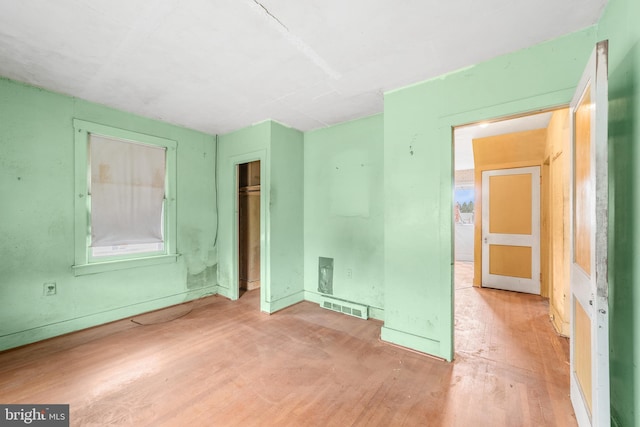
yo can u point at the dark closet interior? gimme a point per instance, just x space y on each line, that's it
249 225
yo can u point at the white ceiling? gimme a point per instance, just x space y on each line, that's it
464 135
220 65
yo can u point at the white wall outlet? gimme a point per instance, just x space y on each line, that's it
50 288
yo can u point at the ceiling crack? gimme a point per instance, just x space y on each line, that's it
270 14
296 41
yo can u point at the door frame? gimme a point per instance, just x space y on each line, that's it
511 110
237 214
234 276
511 283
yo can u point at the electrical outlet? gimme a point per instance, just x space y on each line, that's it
349 273
49 289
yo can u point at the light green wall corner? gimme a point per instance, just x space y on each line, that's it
287 216
242 146
619 25
280 150
418 186
37 221
343 210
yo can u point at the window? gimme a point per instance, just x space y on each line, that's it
125 198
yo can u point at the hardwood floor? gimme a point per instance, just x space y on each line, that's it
216 362
522 377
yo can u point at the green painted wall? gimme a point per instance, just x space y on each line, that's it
37 221
418 186
619 25
242 146
377 198
343 210
280 150
287 216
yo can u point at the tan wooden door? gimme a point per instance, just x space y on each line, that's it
589 283
511 229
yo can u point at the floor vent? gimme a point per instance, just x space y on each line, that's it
346 307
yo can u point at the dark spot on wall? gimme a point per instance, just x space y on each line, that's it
207 277
57 228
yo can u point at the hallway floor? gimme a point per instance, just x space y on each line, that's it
525 364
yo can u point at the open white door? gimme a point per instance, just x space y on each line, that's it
589 282
511 229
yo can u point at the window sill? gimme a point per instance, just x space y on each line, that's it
100 267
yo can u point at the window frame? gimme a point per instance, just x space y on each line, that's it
85 263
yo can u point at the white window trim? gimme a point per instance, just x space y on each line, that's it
84 262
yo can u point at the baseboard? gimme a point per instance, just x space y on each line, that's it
224 291
312 297
376 313
559 324
43 332
414 342
277 305
249 285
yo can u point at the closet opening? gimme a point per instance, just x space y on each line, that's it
248 227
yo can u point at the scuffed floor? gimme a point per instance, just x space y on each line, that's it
216 362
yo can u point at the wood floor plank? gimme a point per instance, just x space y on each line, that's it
215 362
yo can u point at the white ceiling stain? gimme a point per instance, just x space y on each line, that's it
220 65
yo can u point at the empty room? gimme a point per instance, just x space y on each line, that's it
362 213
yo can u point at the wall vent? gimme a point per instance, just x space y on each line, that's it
346 307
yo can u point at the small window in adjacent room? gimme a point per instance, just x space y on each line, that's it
125 205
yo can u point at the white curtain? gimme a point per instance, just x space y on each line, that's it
127 192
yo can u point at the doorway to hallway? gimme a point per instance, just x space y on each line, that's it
538 140
511 330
